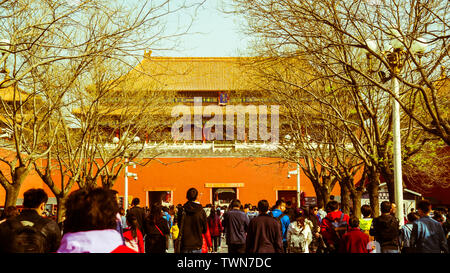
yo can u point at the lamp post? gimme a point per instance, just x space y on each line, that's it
396 58
127 174
295 172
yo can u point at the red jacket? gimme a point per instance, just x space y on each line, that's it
215 226
123 249
354 241
206 241
326 227
127 235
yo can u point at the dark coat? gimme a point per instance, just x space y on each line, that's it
235 224
194 226
264 235
139 213
155 240
386 230
50 230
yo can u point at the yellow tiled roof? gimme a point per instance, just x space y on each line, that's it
192 73
7 94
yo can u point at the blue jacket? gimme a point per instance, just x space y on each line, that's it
284 221
428 236
168 218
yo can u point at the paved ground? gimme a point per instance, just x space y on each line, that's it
223 248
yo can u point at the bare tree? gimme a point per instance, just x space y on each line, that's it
62 39
346 46
331 32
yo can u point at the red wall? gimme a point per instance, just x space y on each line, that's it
261 178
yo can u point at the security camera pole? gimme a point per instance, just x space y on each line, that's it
126 182
297 172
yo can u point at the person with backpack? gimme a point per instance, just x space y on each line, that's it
405 233
282 218
264 232
235 223
29 232
90 224
132 234
333 226
386 229
156 230
193 225
298 235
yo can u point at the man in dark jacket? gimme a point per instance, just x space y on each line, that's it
264 232
386 229
235 223
29 232
139 213
192 224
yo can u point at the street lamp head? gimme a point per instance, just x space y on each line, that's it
418 47
136 139
287 137
372 45
115 140
396 44
395 35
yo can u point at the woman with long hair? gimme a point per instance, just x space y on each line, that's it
299 235
215 228
157 230
132 235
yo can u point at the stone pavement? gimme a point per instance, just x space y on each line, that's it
223 246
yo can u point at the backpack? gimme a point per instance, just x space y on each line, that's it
27 236
339 227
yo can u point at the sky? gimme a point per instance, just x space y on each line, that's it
213 33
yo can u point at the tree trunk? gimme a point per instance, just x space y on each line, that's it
11 195
356 199
323 197
388 176
345 197
61 208
13 189
372 189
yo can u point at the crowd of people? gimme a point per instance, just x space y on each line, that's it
94 223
